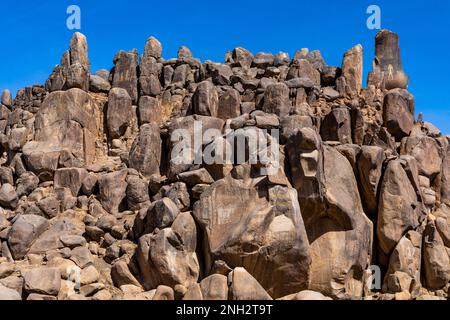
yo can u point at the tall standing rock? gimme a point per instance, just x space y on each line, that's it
436 261
74 69
119 113
352 70
205 100
389 61
276 99
336 126
145 153
6 98
339 232
168 256
370 165
399 208
427 153
149 68
125 73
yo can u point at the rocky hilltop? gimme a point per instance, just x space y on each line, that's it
95 203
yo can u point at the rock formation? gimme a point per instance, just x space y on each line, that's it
115 184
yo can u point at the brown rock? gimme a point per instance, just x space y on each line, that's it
352 70
251 222
215 287
398 207
398 113
336 126
370 165
276 99
42 281
145 153
229 105
205 100
125 73
245 287
436 262
25 230
333 215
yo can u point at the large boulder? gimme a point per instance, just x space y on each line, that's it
398 113
398 207
370 166
404 265
25 230
168 256
71 178
276 99
149 68
112 190
66 127
352 70
245 287
7 294
263 234
229 105
336 126
125 73
43 281
145 153
427 153
339 232
183 146
436 261
120 112
205 101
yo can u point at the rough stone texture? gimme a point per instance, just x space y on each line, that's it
125 73
145 153
120 112
243 228
25 230
144 181
352 70
398 208
398 113
338 230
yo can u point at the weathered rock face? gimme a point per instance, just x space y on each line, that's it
125 73
145 153
370 167
276 99
74 70
263 177
436 259
168 256
336 126
398 113
66 130
120 112
398 208
389 61
338 230
265 235
205 100
352 70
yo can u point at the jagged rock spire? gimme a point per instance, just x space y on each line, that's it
388 59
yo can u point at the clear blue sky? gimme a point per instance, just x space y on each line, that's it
35 35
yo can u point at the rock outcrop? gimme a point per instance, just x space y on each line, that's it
263 177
